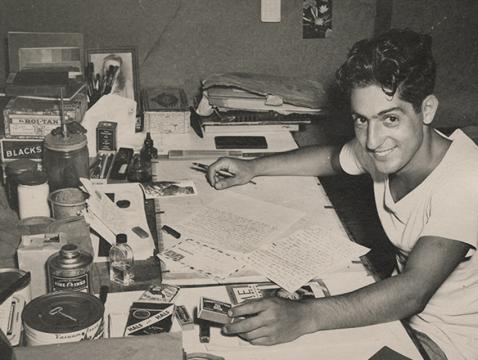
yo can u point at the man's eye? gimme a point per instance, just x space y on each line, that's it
391 120
359 121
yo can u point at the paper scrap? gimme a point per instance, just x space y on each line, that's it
203 258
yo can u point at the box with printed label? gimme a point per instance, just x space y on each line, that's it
34 119
13 149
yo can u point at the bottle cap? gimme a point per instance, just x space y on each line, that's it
121 239
32 178
19 166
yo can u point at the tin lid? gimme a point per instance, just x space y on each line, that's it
31 178
63 312
60 143
8 276
19 166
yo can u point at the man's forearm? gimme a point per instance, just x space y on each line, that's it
388 300
306 161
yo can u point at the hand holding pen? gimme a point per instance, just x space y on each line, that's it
220 178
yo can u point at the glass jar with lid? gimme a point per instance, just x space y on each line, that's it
65 160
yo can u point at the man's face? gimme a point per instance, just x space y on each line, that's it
389 130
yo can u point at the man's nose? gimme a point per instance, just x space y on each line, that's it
374 135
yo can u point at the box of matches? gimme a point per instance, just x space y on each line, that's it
213 310
149 318
184 319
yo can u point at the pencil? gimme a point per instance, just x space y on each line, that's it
222 173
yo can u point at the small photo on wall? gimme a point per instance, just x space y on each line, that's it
316 19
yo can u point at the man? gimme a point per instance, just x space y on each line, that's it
426 193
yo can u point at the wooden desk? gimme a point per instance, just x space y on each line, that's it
301 193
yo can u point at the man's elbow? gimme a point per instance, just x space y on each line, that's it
418 300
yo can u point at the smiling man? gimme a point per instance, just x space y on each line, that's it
426 194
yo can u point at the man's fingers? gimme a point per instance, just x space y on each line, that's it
242 326
248 308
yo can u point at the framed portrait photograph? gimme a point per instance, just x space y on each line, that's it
114 71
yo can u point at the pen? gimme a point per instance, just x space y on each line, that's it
222 173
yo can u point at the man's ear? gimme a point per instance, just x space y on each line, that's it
429 108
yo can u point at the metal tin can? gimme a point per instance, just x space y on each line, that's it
69 269
11 308
63 317
13 170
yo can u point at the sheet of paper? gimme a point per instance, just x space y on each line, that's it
292 261
238 223
203 258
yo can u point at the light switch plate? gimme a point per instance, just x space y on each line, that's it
270 10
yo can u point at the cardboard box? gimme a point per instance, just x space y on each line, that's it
166 110
34 119
14 149
32 254
167 346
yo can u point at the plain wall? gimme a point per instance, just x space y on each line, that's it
180 42
454 28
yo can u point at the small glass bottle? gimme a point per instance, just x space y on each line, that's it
148 151
121 261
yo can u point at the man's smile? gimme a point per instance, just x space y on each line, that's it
382 153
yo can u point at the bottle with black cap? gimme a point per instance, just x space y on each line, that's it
121 261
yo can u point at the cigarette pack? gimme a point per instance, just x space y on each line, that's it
149 318
213 310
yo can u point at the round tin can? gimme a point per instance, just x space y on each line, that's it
69 269
13 305
63 317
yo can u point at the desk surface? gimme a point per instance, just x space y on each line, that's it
357 343
302 193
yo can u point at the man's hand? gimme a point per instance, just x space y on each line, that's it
242 172
269 321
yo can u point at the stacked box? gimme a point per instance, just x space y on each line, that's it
26 118
166 110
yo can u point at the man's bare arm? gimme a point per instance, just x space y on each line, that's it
399 297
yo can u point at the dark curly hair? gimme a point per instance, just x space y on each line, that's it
398 61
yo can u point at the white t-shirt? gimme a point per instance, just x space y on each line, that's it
445 204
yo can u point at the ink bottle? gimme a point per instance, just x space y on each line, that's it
121 261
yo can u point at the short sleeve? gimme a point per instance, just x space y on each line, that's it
453 212
349 161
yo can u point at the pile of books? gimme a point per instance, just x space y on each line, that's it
245 103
